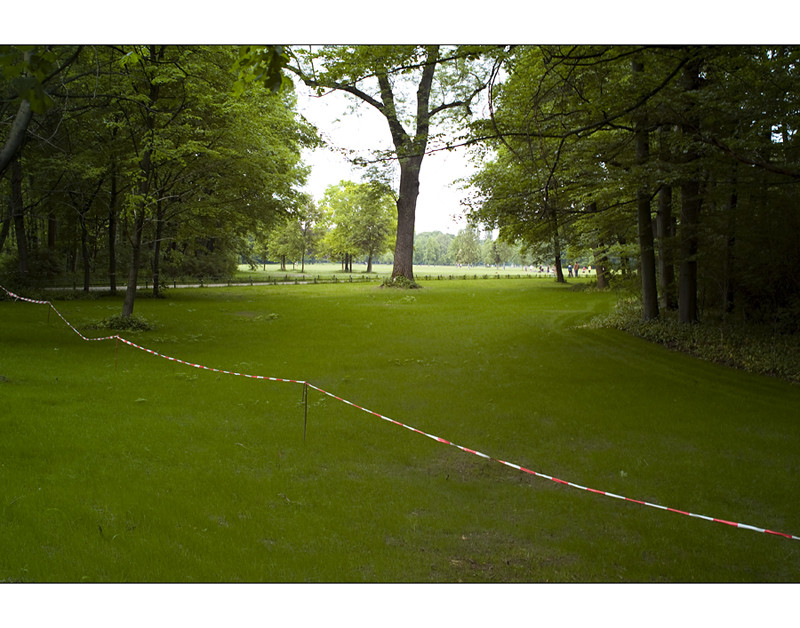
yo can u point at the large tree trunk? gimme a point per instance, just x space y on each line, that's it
18 212
406 215
16 135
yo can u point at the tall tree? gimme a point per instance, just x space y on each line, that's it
647 256
362 220
444 79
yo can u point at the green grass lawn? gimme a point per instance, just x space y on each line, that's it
155 471
326 270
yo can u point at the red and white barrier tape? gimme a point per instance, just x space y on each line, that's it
206 368
413 429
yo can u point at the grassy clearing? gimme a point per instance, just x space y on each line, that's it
161 472
324 271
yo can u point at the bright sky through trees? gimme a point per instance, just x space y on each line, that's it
364 130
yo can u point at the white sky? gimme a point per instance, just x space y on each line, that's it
366 129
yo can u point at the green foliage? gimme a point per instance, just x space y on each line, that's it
362 218
465 248
432 247
403 283
148 141
757 349
262 65
25 67
560 169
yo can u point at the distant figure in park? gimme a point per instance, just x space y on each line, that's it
569 270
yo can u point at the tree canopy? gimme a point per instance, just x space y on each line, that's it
681 159
146 155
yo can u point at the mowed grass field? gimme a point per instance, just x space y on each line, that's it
117 465
326 270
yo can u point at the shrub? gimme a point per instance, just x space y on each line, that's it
754 348
123 323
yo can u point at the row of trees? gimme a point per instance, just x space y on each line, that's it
683 161
132 155
353 220
466 248
678 161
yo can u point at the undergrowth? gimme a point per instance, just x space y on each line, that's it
753 348
401 282
123 323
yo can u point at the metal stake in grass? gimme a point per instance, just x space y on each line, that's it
305 411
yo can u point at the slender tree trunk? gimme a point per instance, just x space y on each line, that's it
136 241
687 286
600 261
729 278
369 262
85 252
557 249
157 250
51 230
112 229
690 212
647 256
19 217
665 230
624 262
136 254
6 225
145 166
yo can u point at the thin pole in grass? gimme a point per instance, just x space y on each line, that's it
305 410
116 351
